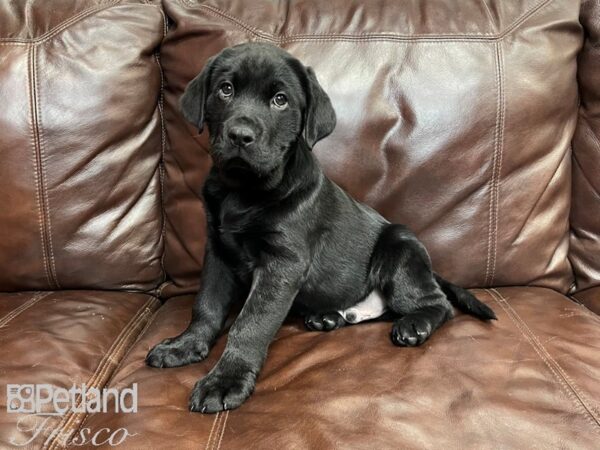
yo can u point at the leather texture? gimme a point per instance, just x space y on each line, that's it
63 339
527 380
585 212
444 109
476 123
590 298
81 145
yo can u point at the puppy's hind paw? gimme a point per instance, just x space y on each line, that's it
411 330
324 322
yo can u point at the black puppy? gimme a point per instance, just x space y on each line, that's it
281 233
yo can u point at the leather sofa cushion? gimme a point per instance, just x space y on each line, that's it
528 379
590 298
63 339
584 252
454 118
81 145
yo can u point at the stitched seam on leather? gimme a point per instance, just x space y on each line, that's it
492 182
59 433
62 433
161 165
62 438
126 354
578 392
145 312
61 26
359 39
25 306
365 36
161 176
223 429
518 22
42 177
500 56
119 365
571 394
35 143
567 385
211 430
217 430
212 444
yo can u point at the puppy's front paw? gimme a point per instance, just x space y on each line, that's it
178 351
221 390
411 330
324 322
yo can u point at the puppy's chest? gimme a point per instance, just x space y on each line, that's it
242 232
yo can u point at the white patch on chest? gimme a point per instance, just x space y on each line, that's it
371 307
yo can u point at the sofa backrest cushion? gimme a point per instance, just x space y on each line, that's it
585 212
80 145
455 118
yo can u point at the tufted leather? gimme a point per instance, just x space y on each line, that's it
474 122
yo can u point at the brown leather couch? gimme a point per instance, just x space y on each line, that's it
485 111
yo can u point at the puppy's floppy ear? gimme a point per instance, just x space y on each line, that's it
319 120
193 100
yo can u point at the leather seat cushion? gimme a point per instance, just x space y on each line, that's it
590 298
63 339
531 377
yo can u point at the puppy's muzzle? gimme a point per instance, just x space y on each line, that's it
241 135
242 132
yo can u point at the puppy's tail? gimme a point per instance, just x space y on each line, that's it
465 301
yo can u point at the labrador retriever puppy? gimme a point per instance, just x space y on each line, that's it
281 233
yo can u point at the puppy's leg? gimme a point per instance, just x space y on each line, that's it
218 290
401 269
233 378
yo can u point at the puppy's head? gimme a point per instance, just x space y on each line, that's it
257 101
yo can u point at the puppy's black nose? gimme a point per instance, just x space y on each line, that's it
241 135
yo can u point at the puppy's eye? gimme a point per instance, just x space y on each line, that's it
226 89
280 100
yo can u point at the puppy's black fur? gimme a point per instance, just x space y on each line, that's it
281 233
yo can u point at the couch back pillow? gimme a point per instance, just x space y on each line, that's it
454 118
585 213
80 145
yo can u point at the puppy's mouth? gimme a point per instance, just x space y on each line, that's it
237 164
238 167
236 172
